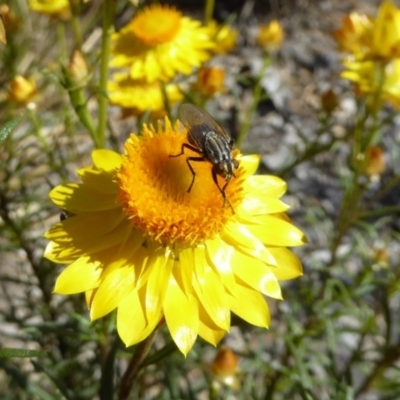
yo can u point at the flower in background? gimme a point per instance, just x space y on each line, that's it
22 90
375 163
56 8
139 243
270 36
368 38
160 42
225 369
375 78
210 81
355 34
9 20
386 32
78 68
139 96
223 36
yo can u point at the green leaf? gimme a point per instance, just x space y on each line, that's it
8 127
21 353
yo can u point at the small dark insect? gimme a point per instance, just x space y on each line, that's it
65 214
208 139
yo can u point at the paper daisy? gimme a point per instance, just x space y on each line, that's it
137 242
57 8
160 42
139 96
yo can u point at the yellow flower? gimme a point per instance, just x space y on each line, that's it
22 90
138 96
210 81
375 163
270 36
9 22
355 34
370 38
386 32
138 242
371 77
57 8
224 37
159 43
225 369
78 68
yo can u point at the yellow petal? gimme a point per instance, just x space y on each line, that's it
251 306
93 224
277 232
264 186
75 198
52 253
207 328
116 286
251 207
183 325
210 291
82 275
132 325
289 265
98 180
238 236
220 254
106 160
157 282
256 274
185 270
250 164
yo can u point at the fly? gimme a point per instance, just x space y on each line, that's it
207 139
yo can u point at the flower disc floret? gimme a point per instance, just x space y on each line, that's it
153 189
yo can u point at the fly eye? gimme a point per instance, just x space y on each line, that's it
231 142
221 169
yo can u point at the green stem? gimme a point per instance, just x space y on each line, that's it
76 27
208 11
257 92
62 44
134 366
108 18
42 140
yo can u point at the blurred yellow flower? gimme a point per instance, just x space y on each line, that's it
225 369
355 34
57 8
386 31
270 36
9 21
140 243
375 78
210 81
375 161
22 90
370 38
159 43
223 36
139 96
78 68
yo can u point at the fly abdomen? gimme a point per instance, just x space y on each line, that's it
216 150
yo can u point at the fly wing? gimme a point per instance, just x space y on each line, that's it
195 119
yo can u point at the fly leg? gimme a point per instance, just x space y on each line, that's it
195 159
226 200
188 159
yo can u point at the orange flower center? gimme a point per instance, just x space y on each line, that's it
156 25
154 189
